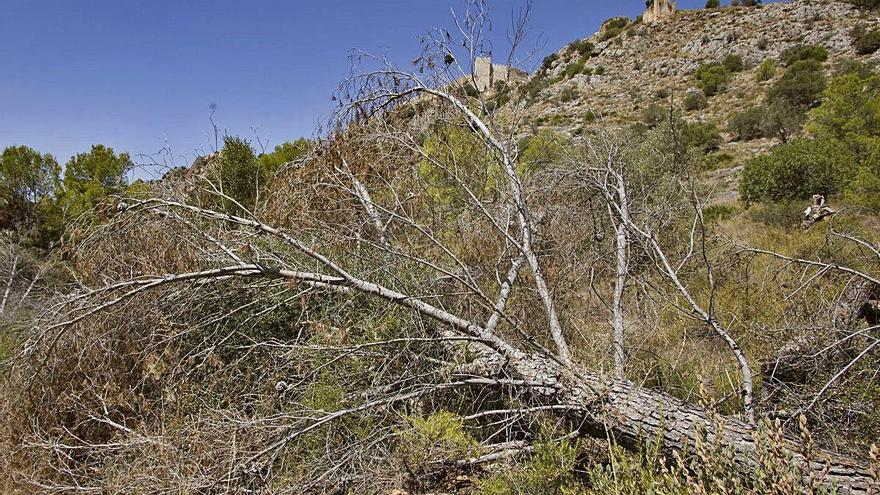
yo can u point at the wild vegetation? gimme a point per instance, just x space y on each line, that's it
435 296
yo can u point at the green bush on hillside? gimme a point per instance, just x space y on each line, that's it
864 4
573 69
801 52
797 170
800 85
695 100
733 62
703 136
748 124
713 4
548 61
582 47
865 42
766 70
712 78
654 114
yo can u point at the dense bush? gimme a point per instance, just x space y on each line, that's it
568 94
797 170
865 42
695 100
733 62
284 153
582 47
573 69
777 119
238 175
783 120
654 114
864 4
28 180
703 136
748 124
713 4
801 84
800 52
766 70
613 27
90 177
843 157
712 78
548 61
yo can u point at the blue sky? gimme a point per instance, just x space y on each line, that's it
139 75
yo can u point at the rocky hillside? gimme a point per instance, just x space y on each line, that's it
616 74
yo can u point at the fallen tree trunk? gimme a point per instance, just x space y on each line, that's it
633 415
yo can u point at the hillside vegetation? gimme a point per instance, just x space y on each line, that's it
653 266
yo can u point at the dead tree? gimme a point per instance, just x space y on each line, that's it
481 313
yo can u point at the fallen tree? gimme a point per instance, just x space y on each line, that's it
429 214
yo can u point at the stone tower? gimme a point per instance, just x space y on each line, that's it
659 10
486 73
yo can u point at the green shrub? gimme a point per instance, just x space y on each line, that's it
548 61
695 100
865 42
582 47
801 52
712 78
90 177
713 4
599 70
568 94
284 153
655 114
797 170
238 175
613 27
433 439
783 120
847 65
733 62
533 87
766 70
616 23
748 124
714 161
549 471
864 4
573 69
850 110
661 94
703 136
801 84
589 117
27 179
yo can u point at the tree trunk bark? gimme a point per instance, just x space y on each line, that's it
633 415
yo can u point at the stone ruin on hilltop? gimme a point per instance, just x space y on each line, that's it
659 10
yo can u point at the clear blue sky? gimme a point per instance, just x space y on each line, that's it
141 74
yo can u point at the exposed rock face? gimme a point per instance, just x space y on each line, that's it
625 74
649 57
659 10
